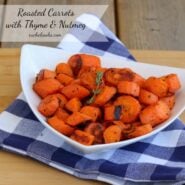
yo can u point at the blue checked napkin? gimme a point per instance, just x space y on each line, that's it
157 160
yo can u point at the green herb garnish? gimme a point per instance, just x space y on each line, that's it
99 77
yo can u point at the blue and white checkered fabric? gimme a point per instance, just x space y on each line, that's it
157 160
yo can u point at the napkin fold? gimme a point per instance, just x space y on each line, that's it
158 160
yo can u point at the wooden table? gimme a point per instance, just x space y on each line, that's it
18 170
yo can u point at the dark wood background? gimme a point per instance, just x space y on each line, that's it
140 24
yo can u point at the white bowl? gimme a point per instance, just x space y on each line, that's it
34 58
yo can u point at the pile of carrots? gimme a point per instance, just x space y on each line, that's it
95 105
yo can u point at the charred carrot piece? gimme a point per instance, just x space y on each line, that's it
77 118
73 105
75 63
75 90
91 111
129 88
44 74
140 131
157 86
90 60
46 87
147 97
64 68
48 105
62 99
130 108
64 79
95 129
60 126
82 137
106 93
62 114
169 100
112 134
155 114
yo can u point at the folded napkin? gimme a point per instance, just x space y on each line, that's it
159 159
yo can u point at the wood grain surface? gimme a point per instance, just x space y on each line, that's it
149 24
19 170
108 18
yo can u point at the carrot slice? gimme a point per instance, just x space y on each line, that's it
140 130
60 126
147 97
95 129
130 108
64 79
62 99
48 105
64 68
73 105
46 87
157 86
130 88
105 95
88 78
93 112
75 90
44 74
170 101
173 82
155 114
75 63
61 114
109 112
90 60
77 118
112 134
82 137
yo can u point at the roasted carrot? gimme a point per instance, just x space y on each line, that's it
130 108
64 68
129 88
82 137
112 134
157 86
169 100
91 111
90 60
48 105
140 130
60 126
147 97
95 129
77 118
46 87
114 75
44 74
106 93
109 113
88 79
120 124
80 60
75 90
155 114
62 114
75 63
73 105
173 82
64 79
62 99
